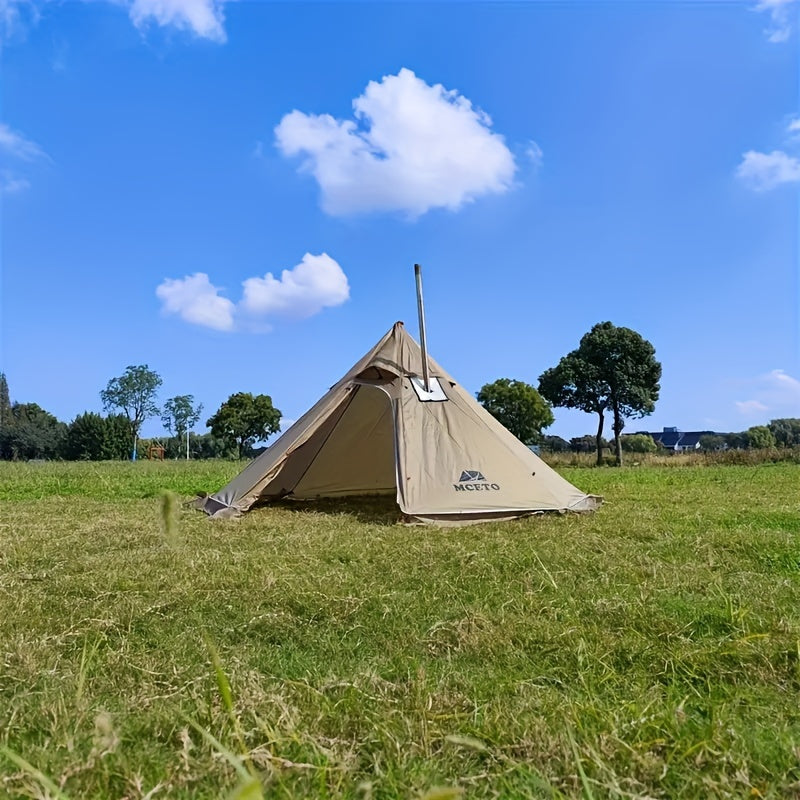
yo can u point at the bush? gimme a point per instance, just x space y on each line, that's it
638 443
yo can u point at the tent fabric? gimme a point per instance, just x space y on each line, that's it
441 454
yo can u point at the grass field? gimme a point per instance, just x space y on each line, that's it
649 650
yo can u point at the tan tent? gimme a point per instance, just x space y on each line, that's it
378 431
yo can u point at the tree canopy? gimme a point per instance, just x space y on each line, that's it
786 431
613 369
30 432
91 437
180 415
518 407
711 442
639 443
244 419
134 392
760 437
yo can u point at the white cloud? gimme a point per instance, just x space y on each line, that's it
204 18
315 283
764 171
750 406
11 183
412 147
777 392
16 145
16 15
793 128
780 17
534 153
195 299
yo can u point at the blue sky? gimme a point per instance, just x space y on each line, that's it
235 194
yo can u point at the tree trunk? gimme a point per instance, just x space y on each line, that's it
618 426
599 439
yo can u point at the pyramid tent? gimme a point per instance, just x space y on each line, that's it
379 431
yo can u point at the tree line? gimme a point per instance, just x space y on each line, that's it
28 432
613 372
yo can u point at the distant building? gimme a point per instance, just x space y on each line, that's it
679 441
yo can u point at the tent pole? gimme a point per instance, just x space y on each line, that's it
421 314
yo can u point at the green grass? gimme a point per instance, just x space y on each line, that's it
649 650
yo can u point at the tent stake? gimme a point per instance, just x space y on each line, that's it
421 313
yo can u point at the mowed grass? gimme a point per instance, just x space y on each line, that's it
649 650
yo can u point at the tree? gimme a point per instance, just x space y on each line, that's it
517 406
587 443
555 444
180 415
31 432
639 443
134 392
244 419
786 431
84 439
91 437
760 437
711 442
735 441
206 446
613 369
5 403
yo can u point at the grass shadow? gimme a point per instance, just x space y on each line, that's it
370 509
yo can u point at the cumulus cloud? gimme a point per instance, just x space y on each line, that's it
780 18
777 392
412 147
204 18
764 171
195 299
317 282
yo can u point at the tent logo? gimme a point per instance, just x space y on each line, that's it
472 480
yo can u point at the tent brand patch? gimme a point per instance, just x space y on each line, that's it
473 481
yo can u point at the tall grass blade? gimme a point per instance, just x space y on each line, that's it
26 766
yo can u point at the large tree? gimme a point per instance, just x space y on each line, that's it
613 369
91 437
786 431
134 392
180 415
244 419
518 407
760 437
30 432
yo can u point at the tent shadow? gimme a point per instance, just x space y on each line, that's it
370 509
